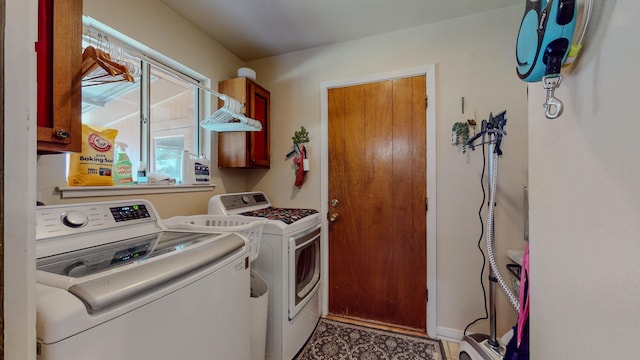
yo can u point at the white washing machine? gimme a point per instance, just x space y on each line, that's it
289 260
113 283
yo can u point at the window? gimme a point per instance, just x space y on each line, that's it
168 152
156 115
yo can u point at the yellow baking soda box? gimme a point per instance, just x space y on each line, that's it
94 164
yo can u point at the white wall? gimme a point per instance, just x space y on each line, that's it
585 203
475 59
157 26
19 176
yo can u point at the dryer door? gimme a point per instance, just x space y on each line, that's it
304 269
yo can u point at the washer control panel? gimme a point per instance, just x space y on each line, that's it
61 220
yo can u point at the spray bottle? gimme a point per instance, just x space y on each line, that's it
122 166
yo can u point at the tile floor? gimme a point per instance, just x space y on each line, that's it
451 349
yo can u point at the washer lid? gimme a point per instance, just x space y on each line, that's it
99 278
88 261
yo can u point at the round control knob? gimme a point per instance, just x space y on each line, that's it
74 219
245 199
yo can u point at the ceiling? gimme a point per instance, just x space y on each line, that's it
254 29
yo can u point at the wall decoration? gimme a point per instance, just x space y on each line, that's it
299 151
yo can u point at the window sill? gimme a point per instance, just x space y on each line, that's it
95 191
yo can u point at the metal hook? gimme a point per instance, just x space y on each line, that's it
553 106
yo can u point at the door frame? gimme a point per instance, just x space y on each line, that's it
430 72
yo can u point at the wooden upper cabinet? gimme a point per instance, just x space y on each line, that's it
249 149
59 61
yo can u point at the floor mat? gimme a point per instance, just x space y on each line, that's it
337 340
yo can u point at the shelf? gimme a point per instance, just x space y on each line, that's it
68 192
515 256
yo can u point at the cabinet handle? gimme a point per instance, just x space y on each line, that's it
62 134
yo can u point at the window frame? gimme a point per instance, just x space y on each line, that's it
151 57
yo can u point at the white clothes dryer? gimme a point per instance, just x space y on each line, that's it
289 260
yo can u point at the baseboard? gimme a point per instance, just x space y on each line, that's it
448 334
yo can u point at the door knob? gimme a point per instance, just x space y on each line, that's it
333 217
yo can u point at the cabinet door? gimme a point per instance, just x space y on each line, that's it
246 149
59 59
259 143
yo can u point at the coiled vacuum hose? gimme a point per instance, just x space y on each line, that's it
492 261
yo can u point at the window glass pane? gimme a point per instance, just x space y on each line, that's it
168 155
115 105
172 119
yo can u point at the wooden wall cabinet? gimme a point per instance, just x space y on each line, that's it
249 150
59 61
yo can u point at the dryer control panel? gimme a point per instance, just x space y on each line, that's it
229 204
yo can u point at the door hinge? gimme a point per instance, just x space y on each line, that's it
426 204
426 101
427 295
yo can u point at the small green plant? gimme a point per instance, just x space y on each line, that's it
460 131
300 137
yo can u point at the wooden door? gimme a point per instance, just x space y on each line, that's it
2 16
377 176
